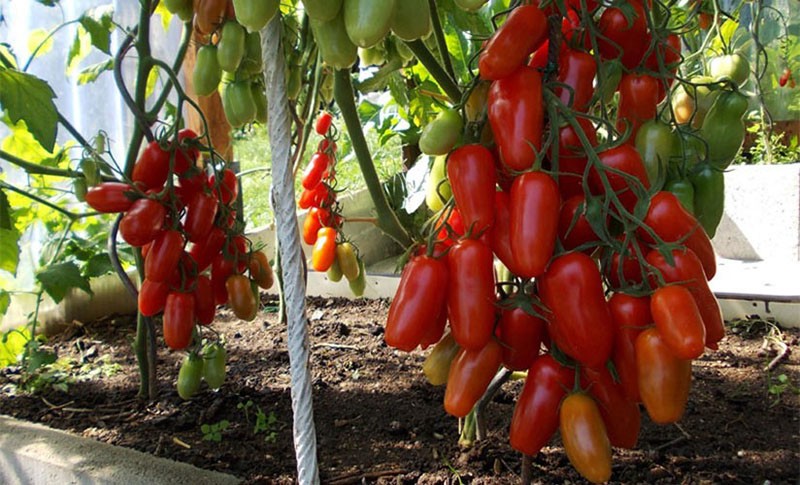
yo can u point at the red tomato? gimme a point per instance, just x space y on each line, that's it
204 307
624 269
520 335
508 49
572 157
573 228
229 187
200 213
667 54
678 321
470 169
164 256
317 166
500 234
221 270
152 297
535 205
573 291
152 167
626 159
470 374
688 271
323 124
622 39
664 380
435 331
178 320
236 250
205 251
470 293
446 236
584 437
324 252
535 418
670 221
516 115
638 98
108 197
186 155
142 223
418 303
577 70
631 316
620 415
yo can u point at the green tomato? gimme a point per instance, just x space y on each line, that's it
334 45
189 376
402 50
252 61
438 190
79 188
412 19
230 48
260 100
709 197
735 67
90 171
358 285
368 21
471 5
440 135
657 144
207 73
238 103
214 357
254 14
704 97
294 82
335 272
373 56
326 88
348 261
684 191
182 8
723 128
322 10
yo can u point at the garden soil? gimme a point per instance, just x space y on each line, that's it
379 421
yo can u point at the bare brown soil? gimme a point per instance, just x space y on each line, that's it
379 421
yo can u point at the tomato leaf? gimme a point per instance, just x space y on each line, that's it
13 344
5 212
91 73
99 23
5 301
26 97
9 250
38 39
97 265
58 279
80 48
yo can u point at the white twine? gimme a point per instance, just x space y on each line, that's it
283 202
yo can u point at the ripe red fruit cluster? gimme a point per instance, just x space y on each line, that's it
183 228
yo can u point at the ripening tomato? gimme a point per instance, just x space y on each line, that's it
178 320
108 197
221 270
437 364
323 124
470 293
516 115
320 196
315 220
208 15
420 298
152 297
535 418
664 379
688 271
631 316
142 223
508 49
678 321
315 169
621 416
204 252
204 307
672 223
470 169
228 188
200 213
520 335
260 270
348 260
164 255
535 206
573 291
324 251
584 437
629 188
241 297
470 374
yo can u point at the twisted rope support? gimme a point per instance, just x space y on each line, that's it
283 202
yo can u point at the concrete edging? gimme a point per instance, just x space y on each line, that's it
34 454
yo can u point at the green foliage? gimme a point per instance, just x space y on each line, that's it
778 386
25 97
13 345
772 149
264 422
58 279
213 432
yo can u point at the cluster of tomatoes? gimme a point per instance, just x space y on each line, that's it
185 223
323 223
603 268
231 60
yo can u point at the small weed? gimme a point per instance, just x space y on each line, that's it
265 423
246 408
778 385
213 432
